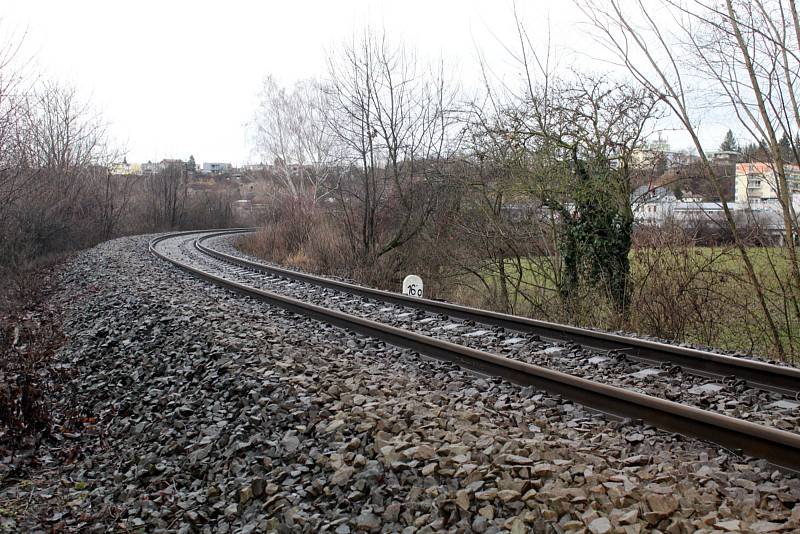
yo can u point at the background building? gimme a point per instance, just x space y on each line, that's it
757 182
216 168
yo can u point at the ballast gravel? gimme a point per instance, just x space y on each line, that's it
209 412
729 396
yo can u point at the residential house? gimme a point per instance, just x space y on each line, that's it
155 168
216 168
125 168
757 182
652 205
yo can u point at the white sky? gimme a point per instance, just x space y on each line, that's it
174 78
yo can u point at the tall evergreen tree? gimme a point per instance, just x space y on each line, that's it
729 144
785 146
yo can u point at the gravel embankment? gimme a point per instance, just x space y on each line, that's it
208 412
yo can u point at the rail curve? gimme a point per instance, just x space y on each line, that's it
775 445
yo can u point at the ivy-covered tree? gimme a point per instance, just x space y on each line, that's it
574 142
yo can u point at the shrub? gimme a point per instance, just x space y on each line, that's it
28 340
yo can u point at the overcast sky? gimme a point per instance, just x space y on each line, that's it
175 78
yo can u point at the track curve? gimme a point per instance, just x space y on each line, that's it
777 446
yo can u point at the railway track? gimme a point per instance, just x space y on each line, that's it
759 374
778 446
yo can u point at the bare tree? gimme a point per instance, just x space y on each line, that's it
59 146
291 131
111 195
566 143
167 191
562 155
14 177
393 122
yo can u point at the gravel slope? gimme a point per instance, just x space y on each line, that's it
207 412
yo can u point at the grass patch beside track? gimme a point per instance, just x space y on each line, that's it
691 294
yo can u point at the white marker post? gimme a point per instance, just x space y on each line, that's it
412 286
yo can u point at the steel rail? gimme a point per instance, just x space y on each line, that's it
776 446
762 375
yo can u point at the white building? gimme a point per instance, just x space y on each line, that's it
152 168
724 157
658 205
216 168
651 205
